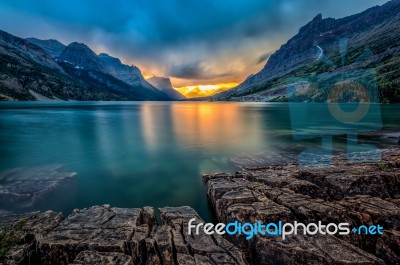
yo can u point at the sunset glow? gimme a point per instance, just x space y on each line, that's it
204 90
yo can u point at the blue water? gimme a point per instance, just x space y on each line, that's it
134 154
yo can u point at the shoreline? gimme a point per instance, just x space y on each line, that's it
358 193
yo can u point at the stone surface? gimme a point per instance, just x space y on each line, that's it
359 194
107 235
27 229
104 258
99 228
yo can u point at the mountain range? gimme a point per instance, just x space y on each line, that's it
47 69
372 41
32 68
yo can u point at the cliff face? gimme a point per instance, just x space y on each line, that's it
164 84
82 57
376 28
128 74
53 47
113 66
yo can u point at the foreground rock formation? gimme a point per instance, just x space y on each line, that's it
360 194
106 235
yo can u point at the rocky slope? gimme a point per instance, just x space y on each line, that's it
107 73
25 67
28 72
53 47
82 57
315 50
128 74
164 84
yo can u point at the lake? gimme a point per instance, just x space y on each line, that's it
135 154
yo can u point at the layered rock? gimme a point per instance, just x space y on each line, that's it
359 194
24 230
107 235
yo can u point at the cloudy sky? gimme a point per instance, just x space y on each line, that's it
209 42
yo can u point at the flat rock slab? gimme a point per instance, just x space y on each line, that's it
360 194
108 235
99 228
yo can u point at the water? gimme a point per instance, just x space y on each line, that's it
134 154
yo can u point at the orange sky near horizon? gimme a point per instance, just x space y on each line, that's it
198 90
204 90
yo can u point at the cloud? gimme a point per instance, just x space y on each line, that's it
263 58
186 34
195 70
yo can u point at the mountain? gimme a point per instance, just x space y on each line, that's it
128 74
107 72
164 84
53 47
15 47
82 57
315 51
28 72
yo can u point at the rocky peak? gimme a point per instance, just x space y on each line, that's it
160 82
16 46
129 74
53 47
81 56
164 84
109 59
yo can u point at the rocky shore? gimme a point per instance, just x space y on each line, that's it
360 194
106 235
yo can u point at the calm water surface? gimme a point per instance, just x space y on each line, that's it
131 154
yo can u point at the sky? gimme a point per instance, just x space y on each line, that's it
202 45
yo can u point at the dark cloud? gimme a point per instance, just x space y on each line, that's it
187 71
195 71
263 58
169 32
